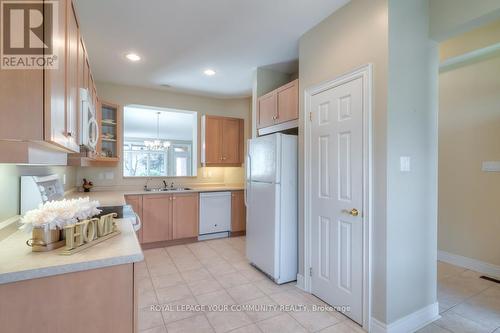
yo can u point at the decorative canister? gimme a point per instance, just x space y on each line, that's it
45 239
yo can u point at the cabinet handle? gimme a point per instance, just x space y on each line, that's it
173 198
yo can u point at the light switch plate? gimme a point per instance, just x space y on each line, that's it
405 164
491 166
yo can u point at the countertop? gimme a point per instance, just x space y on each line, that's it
18 262
117 198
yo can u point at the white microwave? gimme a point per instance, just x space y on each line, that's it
89 131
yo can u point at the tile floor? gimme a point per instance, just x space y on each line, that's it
467 304
216 273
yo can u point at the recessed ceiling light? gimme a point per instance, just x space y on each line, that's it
209 72
133 57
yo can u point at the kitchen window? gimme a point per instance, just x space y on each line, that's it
159 142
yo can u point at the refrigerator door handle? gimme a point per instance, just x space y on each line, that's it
249 178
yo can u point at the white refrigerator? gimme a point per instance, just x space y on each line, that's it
272 204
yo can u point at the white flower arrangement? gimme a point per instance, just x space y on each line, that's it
57 214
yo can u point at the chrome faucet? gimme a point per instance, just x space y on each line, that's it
146 187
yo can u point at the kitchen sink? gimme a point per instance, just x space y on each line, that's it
180 189
168 189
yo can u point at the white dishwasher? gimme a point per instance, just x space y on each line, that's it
215 215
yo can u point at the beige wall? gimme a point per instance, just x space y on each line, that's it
453 17
393 36
469 133
125 95
10 184
411 131
470 41
355 35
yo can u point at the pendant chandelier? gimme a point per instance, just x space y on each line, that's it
157 144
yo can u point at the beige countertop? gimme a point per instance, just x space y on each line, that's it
18 262
117 198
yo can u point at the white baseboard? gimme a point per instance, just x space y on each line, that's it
469 263
300 281
410 323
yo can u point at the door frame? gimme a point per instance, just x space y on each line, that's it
366 73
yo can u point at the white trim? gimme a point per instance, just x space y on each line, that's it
364 72
279 127
469 263
300 281
410 323
377 326
465 58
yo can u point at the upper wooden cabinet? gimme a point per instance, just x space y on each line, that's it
72 84
222 141
43 105
267 109
278 106
109 116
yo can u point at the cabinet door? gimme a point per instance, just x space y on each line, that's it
72 45
213 137
267 109
136 202
288 102
185 215
21 90
238 211
81 66
157 218
55 86
231 139
86 72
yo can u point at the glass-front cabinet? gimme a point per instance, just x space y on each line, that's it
109 119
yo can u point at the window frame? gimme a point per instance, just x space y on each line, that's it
169 154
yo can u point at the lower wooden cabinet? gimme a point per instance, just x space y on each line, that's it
167 216
91 301
238 211
157 218
185 215
136 202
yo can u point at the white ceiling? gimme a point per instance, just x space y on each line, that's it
178 39
141 123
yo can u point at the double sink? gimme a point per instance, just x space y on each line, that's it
165 189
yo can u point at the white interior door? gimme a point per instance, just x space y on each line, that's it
337 196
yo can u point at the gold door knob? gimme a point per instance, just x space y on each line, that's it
353 212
